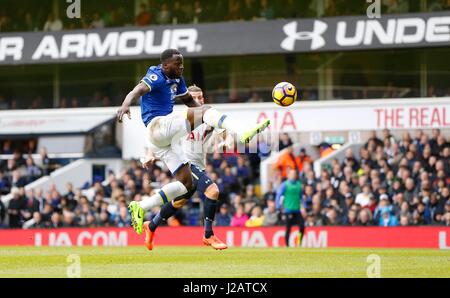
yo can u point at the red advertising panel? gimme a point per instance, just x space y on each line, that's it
391 237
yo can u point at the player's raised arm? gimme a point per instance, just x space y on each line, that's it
188 100
137 92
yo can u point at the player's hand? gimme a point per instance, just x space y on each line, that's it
122 111
148 162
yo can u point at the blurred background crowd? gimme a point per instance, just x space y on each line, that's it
394 182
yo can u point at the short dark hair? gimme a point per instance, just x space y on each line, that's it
169 53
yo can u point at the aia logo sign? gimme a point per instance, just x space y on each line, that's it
293 35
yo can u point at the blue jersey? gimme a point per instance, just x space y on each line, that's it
160 99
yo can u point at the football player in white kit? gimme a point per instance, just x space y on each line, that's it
196 145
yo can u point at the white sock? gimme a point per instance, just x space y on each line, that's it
219 120
167 193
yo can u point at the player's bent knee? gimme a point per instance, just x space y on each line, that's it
184 176
212 192
180 203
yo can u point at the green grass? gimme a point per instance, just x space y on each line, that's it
233 262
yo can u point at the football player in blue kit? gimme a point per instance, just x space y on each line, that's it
196 145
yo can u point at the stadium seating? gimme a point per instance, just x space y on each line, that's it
390 182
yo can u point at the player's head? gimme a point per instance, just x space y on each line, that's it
172 63
197 94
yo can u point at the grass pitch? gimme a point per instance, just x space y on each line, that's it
233 262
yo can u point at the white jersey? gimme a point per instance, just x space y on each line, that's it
198 143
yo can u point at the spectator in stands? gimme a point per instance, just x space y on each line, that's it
234 10
284 142
6 148
14 209
29 23
269 195
242 171
387 219
266 10
363 198
308 197
249 204
6 25
199 14
163 16
255 97
286 161
55 221
19 161
351 219
33 171
230 181
17 180
301 159
69 219
38 223
97 22
256 219
144 16
364 217
74 102
31 204
410 190
239 218
223 218
271 214
3 103
123 219
331 216
53 24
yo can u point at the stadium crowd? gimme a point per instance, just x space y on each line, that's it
115 14
394 182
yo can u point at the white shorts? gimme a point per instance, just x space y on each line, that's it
164 134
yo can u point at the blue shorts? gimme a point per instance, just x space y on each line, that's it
200 179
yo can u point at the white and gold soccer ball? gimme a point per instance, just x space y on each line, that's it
284 94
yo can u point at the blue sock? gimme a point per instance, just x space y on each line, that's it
155 222
209 212
166 211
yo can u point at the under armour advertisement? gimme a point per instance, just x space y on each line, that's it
228 39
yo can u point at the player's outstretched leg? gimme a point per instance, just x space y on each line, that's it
253 131
137 216
168 210
166 194
210 206
149 235
219 120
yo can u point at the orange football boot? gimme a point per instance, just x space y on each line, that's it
214 242
149 235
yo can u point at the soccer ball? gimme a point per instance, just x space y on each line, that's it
284 94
